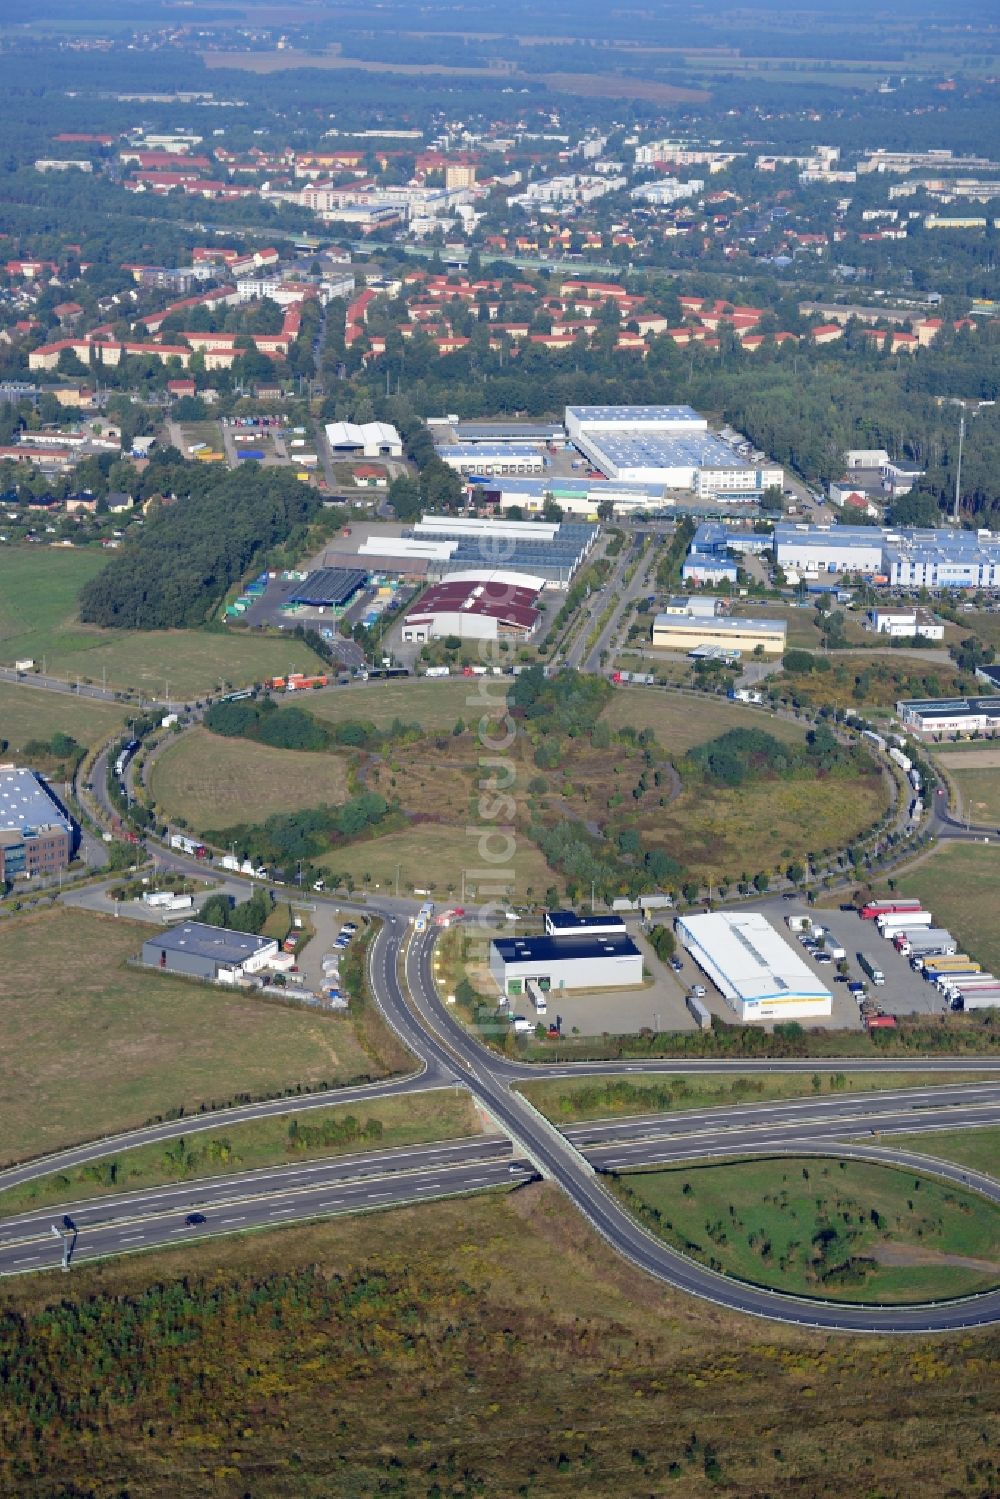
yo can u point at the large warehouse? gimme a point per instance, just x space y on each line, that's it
577 952
490 458
476 605
685 632
668 445
36 835
448 544
911 558
757 972
208 952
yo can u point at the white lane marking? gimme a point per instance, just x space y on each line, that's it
132 1238
233 1220
27 1259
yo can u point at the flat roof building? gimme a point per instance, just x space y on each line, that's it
330 588
950 715
576 953
679 632
913 557
37 836
758 974
491 458
215 953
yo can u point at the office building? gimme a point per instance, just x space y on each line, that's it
37 837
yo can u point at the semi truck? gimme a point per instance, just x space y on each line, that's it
979 999
954 963
932 940
902 921
699 1011
874 972
883 907
187 845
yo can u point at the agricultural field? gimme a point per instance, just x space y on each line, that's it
38 619
384 1124
215 782
576 1100
847 1230
92 1046
33 713
436 704
681 721
250 1363
960 883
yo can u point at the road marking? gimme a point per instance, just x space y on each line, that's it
233 1220
131 1238
26 1259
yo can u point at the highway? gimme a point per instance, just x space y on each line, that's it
400 972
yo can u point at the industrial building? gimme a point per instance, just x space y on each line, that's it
905 558
330 588
686 632
759 975
476 605
950 715
577 952
712 554
369 439
37 837
668 445
445 544
490 458
215 953
906 624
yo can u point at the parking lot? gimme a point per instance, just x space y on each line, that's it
903 993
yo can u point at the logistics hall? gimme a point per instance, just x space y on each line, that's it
759 975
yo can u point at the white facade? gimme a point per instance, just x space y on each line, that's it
760 976
906 623
375 439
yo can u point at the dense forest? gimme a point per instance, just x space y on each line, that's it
197 541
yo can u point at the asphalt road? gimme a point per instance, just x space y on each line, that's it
270 1206
400 973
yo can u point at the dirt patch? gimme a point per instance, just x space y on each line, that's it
984 759
915 1254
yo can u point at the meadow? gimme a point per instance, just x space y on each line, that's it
38 619
960 883
216 782
814 1226
435 704
377 1354
681 721
92 1046
34 713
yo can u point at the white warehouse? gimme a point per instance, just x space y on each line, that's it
760 976
577 952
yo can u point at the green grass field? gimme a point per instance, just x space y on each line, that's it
441 1114
432 857
976 1148
980 792
681 721
436 704
845 1230
91 1046
215 782
33 713
802 631
38 619
960 883
574 1100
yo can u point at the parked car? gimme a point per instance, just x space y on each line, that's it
699 991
